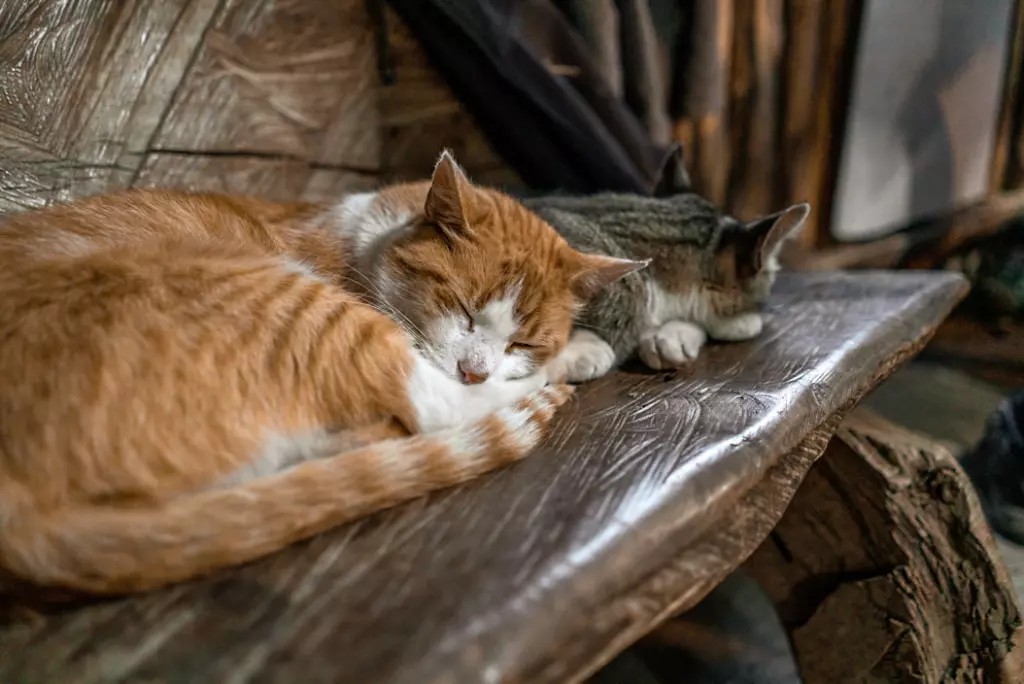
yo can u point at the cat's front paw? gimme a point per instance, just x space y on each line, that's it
673 345
584 358
736 329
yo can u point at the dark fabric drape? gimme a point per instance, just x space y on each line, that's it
542 96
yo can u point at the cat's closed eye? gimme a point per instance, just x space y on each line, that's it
519 346
465 311
714 287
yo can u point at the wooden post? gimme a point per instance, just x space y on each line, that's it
702 130
818 60
754 187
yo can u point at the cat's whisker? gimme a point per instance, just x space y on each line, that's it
379 303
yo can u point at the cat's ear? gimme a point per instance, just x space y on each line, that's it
771 233
674 178
596 272
446 198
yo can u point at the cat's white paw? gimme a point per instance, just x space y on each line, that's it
673 345
736 329
584 358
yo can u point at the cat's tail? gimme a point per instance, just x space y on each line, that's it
107 550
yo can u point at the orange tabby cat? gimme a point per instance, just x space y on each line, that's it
192 381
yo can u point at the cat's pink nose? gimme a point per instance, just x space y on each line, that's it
470 377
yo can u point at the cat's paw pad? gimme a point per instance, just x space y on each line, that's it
738 328
584 358
673 345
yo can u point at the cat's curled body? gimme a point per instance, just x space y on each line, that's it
192 381
709 274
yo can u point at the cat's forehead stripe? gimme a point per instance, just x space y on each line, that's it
499 314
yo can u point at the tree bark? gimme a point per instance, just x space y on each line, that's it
883 568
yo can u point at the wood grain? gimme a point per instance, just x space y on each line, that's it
703 127
419 115
273 178
73 116
885 551
258 96
764 93
754 182
504 579
801 62
818 55
294 78
684 581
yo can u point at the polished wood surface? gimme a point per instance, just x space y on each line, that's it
535 572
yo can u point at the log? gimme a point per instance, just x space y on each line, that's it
883 569
934 239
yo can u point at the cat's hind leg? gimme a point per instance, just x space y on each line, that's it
672 345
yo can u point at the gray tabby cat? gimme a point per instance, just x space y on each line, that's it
708 276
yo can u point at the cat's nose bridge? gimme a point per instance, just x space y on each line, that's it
478 361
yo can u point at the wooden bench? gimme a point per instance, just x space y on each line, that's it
652 488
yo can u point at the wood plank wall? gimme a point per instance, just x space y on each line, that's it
767 87
280 98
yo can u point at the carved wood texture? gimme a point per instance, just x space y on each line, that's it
279 98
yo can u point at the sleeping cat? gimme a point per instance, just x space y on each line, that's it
708 275
192 381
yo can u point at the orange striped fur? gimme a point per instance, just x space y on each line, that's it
192 381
